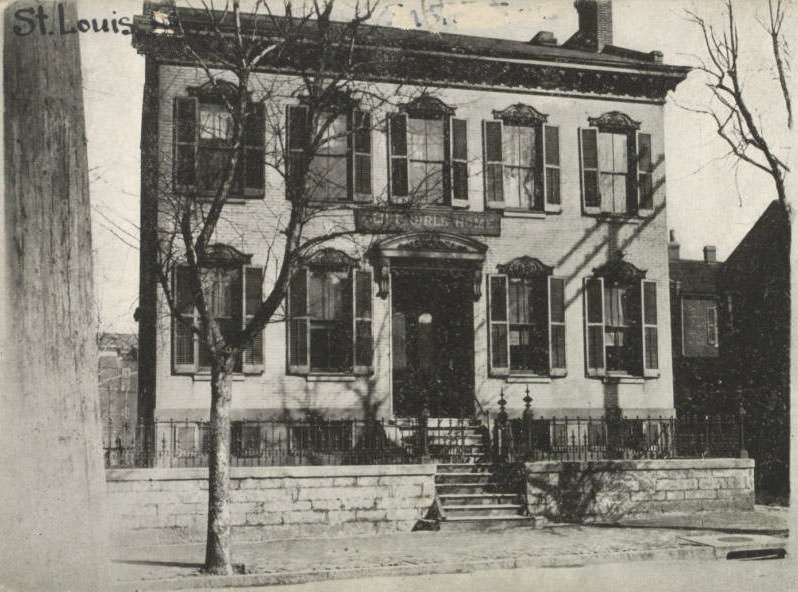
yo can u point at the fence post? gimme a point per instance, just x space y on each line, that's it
741 420
499 433
423 434
526 425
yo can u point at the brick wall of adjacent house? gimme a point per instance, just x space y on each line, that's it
611 490
157 506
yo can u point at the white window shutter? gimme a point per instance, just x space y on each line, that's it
498 322
648 291
595 353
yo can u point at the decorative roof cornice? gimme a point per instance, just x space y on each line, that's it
418 57
525 267
520 114
614 121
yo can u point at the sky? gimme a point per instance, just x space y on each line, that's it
712 200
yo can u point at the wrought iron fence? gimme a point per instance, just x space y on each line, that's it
264 443
575 438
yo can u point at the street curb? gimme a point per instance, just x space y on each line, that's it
272 579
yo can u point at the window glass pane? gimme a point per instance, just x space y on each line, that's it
499 345
520 302
210 166
619 184
498 298
494 183
606 184
512 187
434 133
620 158
527 186
362 132
417 139
215 123
526 146
521 347
510 145
334 140
184 342
605 152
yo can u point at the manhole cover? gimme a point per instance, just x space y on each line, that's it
735 539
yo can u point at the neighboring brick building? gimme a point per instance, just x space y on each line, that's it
695 308
755 344
540 262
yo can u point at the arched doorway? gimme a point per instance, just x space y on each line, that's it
432 280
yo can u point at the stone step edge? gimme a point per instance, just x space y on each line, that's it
484 518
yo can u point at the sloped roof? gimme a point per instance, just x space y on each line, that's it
694 276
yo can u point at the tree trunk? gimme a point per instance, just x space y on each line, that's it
52 484
217 546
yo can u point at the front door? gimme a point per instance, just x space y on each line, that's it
433 342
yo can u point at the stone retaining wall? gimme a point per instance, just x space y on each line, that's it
157 506
611 490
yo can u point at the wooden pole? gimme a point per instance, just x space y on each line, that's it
52 482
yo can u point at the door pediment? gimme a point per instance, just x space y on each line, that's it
431 245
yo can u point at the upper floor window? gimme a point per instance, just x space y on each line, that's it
336 150
233 293
428 153
621 321
699 327
330 316
526 312
521 157
203 143
616 166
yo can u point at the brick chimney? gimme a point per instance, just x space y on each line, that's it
673 247
710 254
595 24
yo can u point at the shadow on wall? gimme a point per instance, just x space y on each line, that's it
580 493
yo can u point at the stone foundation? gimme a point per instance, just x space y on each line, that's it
157 506
612 490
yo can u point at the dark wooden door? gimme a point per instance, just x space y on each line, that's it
433 342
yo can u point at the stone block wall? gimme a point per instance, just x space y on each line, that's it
159 506
612 490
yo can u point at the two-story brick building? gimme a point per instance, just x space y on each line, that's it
508 204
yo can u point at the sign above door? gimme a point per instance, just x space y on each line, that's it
386 221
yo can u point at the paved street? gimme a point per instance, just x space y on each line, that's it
693 576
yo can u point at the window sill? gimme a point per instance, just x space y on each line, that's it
343 205
206 376
330 378
527 379
614 218
233 199
623 379
519 213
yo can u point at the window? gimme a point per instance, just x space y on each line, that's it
330 321
617 168
699 326
339 168
233 295
521 157
428 154
203 143
621 324
527 321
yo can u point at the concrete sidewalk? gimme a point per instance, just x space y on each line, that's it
301 560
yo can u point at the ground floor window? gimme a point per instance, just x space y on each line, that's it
621 323
329 321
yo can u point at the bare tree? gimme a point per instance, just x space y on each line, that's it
738 121
757 134
325 64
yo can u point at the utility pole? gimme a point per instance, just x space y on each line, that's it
52 484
